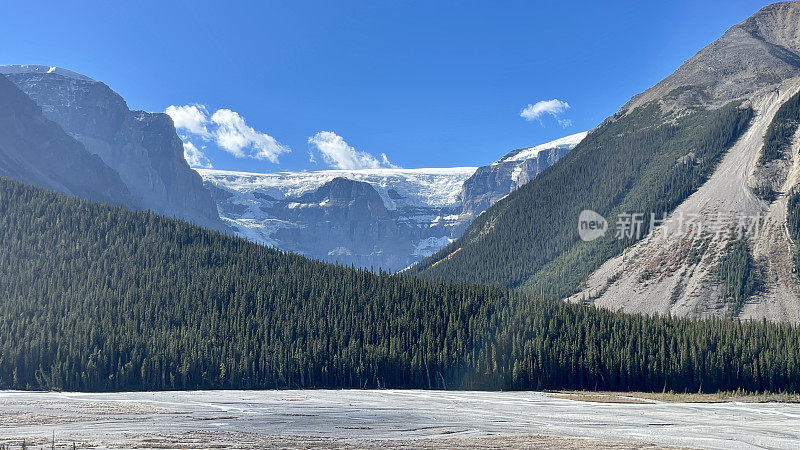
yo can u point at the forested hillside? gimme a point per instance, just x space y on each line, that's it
642 161
793 225
782 129
94 297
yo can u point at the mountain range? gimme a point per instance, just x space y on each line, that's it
695 179
142 148
381 218
694 150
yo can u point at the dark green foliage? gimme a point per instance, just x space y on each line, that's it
642 162
737 274
781 130
698 250
765 192
677 291
94 297
793 223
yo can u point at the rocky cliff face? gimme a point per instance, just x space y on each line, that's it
344 221
380 218
36 150
724 248
143 148
491 183
757 62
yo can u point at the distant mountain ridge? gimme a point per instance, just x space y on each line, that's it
143 148
491 183
380 218
36 150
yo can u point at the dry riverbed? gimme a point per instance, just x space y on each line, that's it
391 418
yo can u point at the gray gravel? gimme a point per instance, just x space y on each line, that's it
249 419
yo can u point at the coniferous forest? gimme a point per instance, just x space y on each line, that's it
781 130
643 161
95 298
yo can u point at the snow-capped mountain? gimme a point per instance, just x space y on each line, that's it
491 183
380 218
387 218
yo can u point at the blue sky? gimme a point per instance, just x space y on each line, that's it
425 83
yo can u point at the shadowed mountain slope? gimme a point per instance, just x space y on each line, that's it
36 150
688 147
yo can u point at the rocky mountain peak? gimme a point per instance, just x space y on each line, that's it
142 147
36 150
752 56
39 69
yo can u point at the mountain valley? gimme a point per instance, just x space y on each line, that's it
379 218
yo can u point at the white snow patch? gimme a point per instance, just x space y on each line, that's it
527 153
39 69
516 173
340 251
435 187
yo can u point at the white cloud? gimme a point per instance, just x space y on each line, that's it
192 118
336 152
195 157
241 140
228 130
553 107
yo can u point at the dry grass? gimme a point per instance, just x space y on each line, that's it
675 397
251 441
598 397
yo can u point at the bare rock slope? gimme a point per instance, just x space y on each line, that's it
36 150
755 55
675 270
142 147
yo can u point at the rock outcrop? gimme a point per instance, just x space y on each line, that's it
143 148
491 183
36 150
378 218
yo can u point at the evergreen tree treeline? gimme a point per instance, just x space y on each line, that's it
737 276
781 130
793 224
644 161
96 298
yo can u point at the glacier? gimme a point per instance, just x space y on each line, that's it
388 218
379 218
